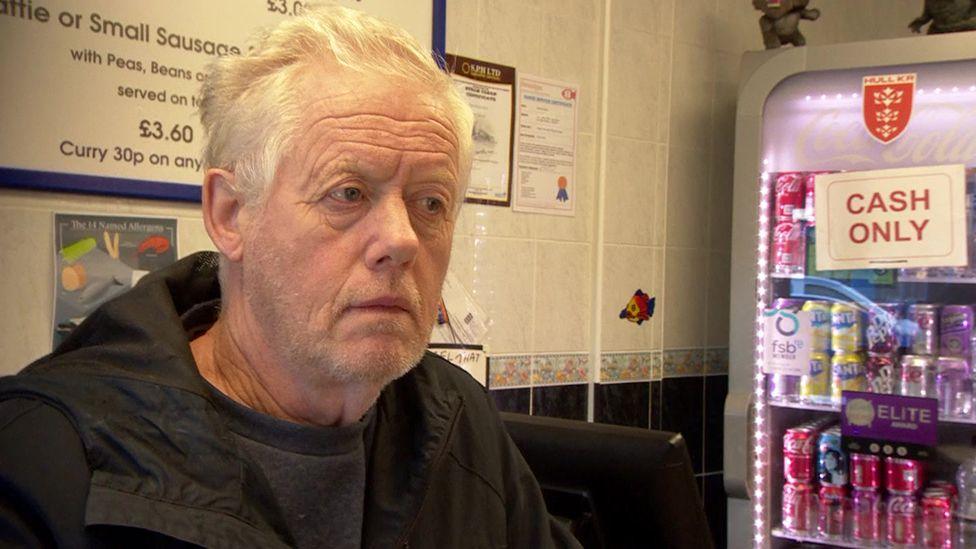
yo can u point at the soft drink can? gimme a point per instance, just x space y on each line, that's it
789 248
799 444
866 472
902 522
925 317
831 511
783 387
820 333
880 329
790 195
956 331
815 385
845 327
903 476
916 375
831 459
879 371
936 519
809 201
788 303
798 507
954 387
868 510
846 374
948 488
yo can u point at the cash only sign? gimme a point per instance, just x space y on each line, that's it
906 217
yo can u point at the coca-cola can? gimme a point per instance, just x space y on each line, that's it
903 476
831 516
948 488
867 509
798 507
810 188
902 522
917 376
924 317
956 331
936 519
790 195
866 472
789 248
879 369
880 329
799 445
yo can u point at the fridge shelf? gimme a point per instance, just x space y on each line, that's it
836 409
784 534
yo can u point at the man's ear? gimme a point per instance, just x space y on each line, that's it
222 208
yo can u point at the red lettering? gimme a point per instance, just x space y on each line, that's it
864 236
885 232
898 236
850 200
919 228
898 203
917 199
877 203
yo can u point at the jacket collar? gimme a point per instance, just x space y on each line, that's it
177 469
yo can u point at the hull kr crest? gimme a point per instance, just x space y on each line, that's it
888 100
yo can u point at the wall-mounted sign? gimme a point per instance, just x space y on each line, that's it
545 148
98 257
490 91
907 217
470 358
101 95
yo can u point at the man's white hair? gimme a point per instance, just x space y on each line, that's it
250 109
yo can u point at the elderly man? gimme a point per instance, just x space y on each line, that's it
290 403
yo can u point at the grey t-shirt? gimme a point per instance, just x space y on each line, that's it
317 474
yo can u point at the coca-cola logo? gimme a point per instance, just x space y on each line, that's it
899 505
789 183
796 445
941 134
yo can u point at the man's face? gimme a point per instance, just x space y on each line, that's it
343 265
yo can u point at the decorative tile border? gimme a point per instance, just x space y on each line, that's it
626 367
509 371
554 369
716 361
684 362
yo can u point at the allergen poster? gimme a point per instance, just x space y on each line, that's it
99 257
545 146
490 91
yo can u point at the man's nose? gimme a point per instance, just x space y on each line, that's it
394 241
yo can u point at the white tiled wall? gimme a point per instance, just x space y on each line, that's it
670 79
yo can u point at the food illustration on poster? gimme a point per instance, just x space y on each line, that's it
98 257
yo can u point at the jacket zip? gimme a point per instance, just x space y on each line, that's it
402 540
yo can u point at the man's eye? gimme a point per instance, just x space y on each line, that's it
432 204
347 194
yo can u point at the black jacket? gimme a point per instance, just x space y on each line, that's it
113 440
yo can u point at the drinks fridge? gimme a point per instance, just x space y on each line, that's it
850 420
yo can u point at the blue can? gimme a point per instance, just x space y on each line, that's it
831 458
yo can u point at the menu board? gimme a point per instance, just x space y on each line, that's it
101 95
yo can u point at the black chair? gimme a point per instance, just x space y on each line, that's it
614 486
